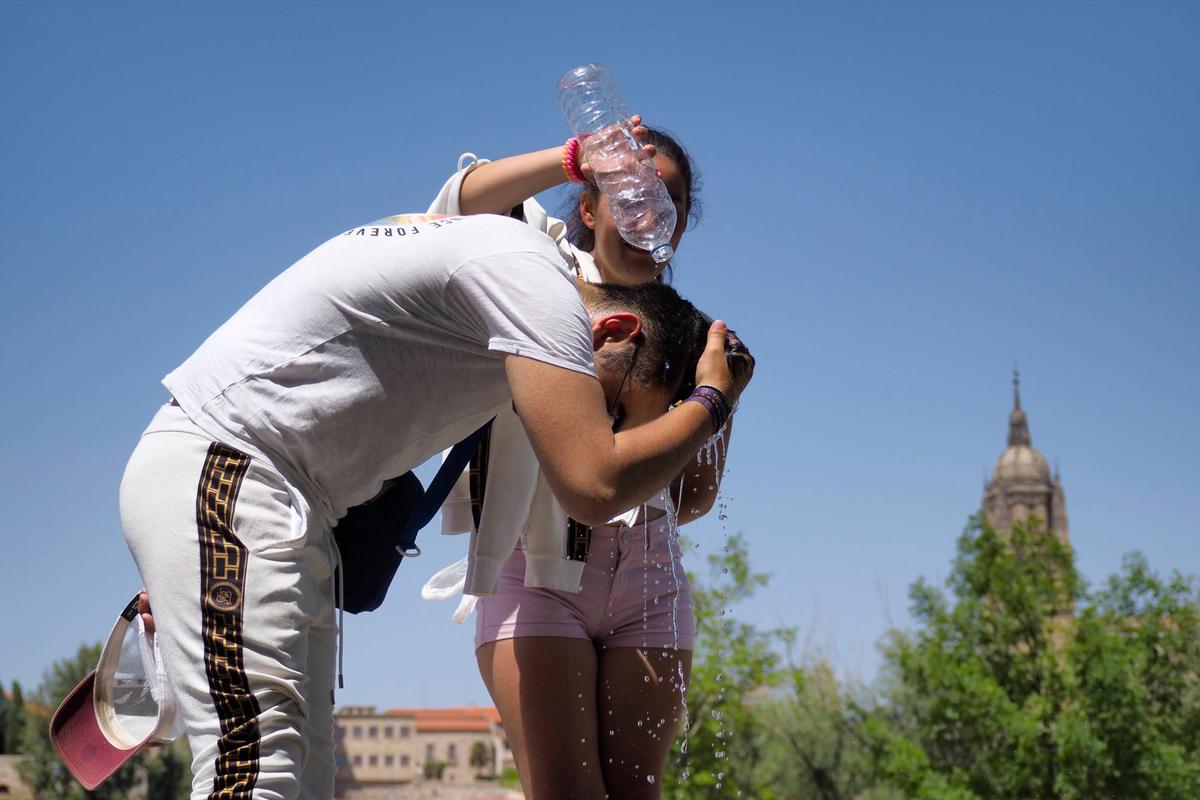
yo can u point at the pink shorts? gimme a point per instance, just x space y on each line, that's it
634 595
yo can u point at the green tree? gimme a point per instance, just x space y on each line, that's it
169 772
1008 689
46 775
1132 728
734 664
813 744
14 720
41 770
3 717
481 755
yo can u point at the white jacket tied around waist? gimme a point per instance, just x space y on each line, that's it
518 504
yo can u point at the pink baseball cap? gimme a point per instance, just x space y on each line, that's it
121 707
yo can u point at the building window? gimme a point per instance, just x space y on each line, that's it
388 731
373 761
452 754
341 760
404 761
403 731
373 732
356 731
358 761
429 752
389 761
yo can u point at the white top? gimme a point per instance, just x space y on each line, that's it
518 503
349 367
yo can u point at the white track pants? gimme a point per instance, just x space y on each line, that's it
239 583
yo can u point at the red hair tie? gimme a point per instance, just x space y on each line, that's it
570 161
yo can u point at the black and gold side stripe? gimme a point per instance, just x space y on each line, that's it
222 592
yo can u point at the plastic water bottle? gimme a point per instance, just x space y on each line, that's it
641 205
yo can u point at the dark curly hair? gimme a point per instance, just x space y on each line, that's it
673 335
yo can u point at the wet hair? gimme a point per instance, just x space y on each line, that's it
667 145
673 334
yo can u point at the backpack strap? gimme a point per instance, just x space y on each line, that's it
439 490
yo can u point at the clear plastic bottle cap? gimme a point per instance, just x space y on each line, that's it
662 254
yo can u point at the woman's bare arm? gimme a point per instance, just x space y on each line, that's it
497 186
695 490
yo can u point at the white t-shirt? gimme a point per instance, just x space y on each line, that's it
349 368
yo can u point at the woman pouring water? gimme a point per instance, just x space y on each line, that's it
585 647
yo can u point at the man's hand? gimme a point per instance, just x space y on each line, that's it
144 610
725 363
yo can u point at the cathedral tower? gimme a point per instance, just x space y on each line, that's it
1021 485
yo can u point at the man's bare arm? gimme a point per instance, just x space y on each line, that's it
593 472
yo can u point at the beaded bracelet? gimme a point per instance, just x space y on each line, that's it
715 402
570 161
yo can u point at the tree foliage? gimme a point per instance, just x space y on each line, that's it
732 665
13 722
4 712
1015 683
157 774
1018 684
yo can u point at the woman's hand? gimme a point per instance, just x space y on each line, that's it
639 132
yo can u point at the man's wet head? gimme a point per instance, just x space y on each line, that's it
647 340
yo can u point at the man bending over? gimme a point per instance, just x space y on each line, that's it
381 348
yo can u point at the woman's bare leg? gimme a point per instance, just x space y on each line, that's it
545 690
640 705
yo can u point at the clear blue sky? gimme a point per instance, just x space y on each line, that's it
901 201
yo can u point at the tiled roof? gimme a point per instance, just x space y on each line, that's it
453 726
466 718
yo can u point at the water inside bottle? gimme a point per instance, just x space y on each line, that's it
629 178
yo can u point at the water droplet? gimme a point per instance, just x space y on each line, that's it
649 779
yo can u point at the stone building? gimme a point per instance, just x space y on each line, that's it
11 785
399 745
1021 485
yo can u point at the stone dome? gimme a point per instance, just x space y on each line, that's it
1021 464
1021 486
